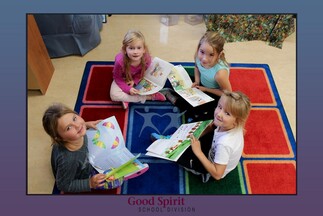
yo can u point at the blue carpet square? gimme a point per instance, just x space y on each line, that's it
163 177
144 119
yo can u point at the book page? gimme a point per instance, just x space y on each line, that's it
146 87
195 96
107 148
182 83
173 148
179 78
169 149
129 167
155 77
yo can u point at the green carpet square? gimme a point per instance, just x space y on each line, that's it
231 184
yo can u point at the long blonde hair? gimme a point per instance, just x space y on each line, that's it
131 36
216 41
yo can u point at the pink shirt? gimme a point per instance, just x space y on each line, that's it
119 74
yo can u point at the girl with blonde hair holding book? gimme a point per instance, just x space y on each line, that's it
211 76
220 147
218 150
129 68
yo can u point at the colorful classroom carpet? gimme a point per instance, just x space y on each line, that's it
268 163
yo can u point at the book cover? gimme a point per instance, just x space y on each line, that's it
182 83
155 77
173 148
108 153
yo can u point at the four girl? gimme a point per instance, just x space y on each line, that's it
216 154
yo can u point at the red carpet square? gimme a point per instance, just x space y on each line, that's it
93 112
98 86
270 177
266 135
253 83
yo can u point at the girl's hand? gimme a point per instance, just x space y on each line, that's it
195 84
202 88
196 145
134 91
97 180
92 124
131 83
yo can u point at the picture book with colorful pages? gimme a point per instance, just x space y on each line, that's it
175 146
182 83
108 153
155 77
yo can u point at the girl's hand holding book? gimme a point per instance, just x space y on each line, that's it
97 180
194 84
92 124
196 145
134 91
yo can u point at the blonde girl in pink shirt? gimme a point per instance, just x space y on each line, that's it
129 67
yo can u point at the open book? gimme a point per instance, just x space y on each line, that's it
182 84
107 151
155 77
173 148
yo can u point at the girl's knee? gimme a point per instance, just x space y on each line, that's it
113 97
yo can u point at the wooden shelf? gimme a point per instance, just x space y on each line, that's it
40 67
